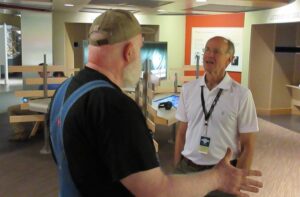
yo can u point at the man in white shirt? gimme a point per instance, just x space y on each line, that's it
215 113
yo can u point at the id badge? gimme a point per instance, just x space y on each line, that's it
204 144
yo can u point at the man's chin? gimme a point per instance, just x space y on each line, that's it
208 68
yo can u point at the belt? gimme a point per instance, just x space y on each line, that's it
199 167
203 167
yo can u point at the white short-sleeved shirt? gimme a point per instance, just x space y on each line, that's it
234 113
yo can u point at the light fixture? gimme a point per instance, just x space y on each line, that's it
161 10
202 1
68 5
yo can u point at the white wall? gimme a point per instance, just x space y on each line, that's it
285 14
37 33
171 30
36 28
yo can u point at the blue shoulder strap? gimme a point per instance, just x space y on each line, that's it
59 110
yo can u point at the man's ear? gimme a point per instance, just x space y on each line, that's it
230 59
128 52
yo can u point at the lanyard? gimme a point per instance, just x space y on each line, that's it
207 115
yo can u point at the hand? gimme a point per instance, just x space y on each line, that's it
233 180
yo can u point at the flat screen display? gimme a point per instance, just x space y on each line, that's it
85 51
174 99
154 55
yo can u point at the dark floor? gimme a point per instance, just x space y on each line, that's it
291 122
5 132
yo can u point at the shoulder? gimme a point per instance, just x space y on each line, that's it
240 90
191 84
114 99
110 93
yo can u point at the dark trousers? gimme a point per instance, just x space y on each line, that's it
186 166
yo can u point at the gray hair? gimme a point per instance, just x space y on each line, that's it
230 49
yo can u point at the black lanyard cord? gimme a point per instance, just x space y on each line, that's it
207 115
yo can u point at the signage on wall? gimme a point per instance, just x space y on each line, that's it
201 35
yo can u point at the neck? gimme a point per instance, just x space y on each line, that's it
112 75
213 79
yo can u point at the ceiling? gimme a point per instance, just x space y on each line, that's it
160 7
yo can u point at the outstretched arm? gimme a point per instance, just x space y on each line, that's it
224 177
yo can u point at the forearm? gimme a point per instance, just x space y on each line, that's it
245 159
224 177
247 151
197 184
180 141
179 144
154 183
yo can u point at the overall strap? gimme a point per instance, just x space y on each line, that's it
58 113
58 99
79 92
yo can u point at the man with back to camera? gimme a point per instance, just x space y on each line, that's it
107 145
215 112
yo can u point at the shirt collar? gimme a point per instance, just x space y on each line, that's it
224 84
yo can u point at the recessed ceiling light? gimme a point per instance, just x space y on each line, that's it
201 1
68 5
161 10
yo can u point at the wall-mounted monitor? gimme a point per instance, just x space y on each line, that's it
85 52
154 55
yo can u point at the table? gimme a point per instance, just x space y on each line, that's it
167 116
42 106
162 116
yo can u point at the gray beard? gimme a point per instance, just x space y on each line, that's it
131 75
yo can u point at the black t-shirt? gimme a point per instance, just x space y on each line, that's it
105 138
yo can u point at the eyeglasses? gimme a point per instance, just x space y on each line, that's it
207 50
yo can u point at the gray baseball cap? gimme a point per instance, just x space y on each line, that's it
113 26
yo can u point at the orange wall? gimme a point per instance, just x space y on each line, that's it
222 20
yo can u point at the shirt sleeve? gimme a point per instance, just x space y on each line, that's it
247 118
181 110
